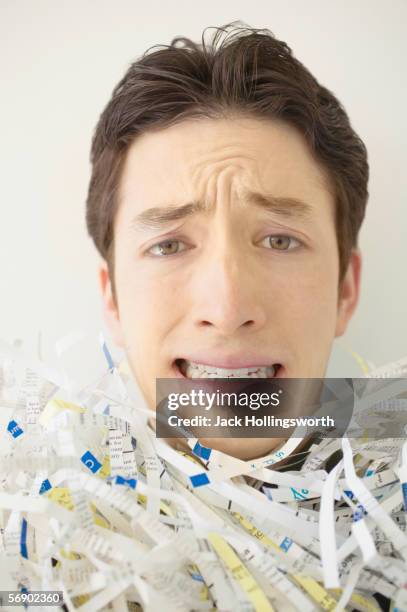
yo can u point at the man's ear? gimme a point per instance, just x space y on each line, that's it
110 308
349 293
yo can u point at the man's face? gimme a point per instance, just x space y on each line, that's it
240 284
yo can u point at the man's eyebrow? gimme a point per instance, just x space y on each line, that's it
159 217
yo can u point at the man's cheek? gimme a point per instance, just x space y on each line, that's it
309 317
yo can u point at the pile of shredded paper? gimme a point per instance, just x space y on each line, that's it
94 505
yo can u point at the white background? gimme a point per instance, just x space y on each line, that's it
59 63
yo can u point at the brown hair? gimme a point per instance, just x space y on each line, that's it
242 69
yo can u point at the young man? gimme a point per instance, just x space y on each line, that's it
227 192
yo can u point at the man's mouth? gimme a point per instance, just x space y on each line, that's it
191 369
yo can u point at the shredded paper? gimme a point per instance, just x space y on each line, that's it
92 504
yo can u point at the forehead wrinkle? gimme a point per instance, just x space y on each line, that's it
206 175
199 174
158 217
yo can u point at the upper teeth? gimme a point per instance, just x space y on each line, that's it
197 370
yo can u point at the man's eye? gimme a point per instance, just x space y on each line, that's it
166 248
282 243
171 247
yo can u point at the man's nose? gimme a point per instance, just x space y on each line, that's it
228 293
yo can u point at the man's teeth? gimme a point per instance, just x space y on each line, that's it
196 370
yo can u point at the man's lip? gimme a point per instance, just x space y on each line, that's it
230 362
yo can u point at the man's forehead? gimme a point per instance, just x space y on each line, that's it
160 181
193 145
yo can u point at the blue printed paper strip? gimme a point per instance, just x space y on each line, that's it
91 462
106 353
199 480
14 428
23 539
130 482
404 491
285 544
45 486
202 451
